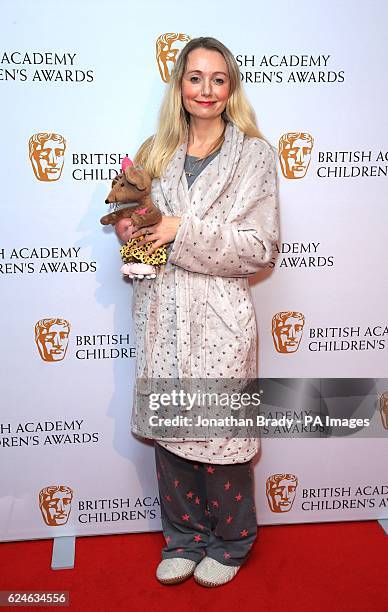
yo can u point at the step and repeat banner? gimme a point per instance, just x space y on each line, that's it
81 85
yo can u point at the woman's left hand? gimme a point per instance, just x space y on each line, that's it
162 233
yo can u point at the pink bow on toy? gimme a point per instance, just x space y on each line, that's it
126 163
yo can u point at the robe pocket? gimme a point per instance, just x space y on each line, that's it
219 304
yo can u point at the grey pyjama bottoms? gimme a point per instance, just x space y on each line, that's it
206 508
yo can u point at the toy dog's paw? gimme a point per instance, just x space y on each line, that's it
126 270
138 270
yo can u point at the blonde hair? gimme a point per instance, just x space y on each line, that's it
173 124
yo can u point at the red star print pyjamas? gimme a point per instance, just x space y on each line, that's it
206 508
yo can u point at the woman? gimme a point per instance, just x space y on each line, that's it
214 180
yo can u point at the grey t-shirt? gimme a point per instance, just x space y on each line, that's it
195 167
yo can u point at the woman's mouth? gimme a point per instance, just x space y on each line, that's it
206 103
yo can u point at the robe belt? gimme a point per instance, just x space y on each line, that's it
183 322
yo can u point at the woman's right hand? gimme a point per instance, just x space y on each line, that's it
124 229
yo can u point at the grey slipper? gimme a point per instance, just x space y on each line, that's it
177 569
212 573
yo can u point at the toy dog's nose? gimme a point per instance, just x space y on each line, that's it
106 201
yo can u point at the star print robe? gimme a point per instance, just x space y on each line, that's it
196 319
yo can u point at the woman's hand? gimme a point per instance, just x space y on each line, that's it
162 233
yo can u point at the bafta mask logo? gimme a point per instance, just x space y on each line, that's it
295 154
280 490
167 49
47 154
287 330
384 409
55 504
51 337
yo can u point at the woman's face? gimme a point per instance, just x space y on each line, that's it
205 84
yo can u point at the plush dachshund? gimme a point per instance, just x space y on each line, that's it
130 195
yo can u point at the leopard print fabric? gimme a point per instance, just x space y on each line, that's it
130 253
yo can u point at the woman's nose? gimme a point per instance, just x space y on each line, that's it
206 87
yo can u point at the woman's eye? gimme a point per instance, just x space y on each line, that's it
194 79
219 81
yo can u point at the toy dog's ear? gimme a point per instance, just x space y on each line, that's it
126 163
135 177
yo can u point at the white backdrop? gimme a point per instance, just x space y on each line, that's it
89 73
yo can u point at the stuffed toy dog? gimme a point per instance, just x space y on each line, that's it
130 195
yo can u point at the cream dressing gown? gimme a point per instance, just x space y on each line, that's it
196 319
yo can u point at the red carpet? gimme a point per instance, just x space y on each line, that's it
332 566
